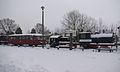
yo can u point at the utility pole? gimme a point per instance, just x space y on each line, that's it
71 44
43 41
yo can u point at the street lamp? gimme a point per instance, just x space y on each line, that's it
42 7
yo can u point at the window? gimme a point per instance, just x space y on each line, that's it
82 36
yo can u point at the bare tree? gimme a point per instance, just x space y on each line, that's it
71 20
106 28
102 27
8 26
79 22
38 28
58 31
91 25
113 28
46 31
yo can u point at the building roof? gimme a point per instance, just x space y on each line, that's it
55 36
26 34
84 32
101 35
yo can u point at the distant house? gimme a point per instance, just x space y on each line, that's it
67 33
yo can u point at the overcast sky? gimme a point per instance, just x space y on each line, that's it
27 13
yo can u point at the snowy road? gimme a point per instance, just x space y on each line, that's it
36 59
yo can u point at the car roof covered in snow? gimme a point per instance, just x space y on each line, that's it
101 35
26 35
55 36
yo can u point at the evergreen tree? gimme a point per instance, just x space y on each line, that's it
18 31
33 31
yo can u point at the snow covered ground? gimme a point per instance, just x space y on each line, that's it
36 59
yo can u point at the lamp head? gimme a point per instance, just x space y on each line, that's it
42 7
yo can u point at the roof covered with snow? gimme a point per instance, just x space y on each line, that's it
85 40
26 34
55 36
101 35
84 32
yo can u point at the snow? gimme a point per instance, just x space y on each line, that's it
85 40
101 35
66 42
37 59
106 44
55 36
84 32
26 34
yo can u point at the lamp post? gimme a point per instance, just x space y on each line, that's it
42 7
